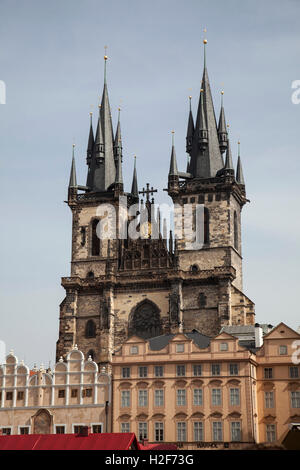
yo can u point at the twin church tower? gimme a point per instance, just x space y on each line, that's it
154 286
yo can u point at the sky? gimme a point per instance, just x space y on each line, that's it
51 61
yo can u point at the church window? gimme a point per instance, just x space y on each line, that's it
95 239
206 225
145 321
83 235
235 222
90 329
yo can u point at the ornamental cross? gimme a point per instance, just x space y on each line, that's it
148 191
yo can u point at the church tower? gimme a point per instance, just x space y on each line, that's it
153 284
214 271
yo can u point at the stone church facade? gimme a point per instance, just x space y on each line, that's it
155 285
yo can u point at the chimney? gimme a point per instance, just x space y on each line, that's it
258 335
145 442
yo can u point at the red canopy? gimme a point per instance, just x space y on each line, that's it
105 441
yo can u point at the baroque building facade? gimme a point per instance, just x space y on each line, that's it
157 283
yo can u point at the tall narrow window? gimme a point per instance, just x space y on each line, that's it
90 329
95 239
235 228
206 225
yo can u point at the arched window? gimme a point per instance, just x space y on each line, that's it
206 225
95 239
90 275
91 353
235 229
145 320
90 329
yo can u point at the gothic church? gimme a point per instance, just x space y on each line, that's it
153 286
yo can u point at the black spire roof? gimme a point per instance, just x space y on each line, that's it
173 162
134 187
73 179
206 162
103 168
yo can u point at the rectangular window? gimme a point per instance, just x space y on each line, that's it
24 430
233 369
197 370
61 393
6 431
197 396
295 399
294 372
74 392
268 373
143 397
234 396
180 371
181 431
235 429
9 395
143 371
77 428
59 429
87 392
158 431
134 350
269 399
283 350
125 427
198 431
180 348
217 431
97 428
181 397
125 372
20 395
159 397
215 369
158 371
270 432
216 397
224 347
142 431
125 398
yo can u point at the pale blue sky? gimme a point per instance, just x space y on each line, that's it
51 59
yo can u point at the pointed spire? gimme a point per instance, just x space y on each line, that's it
73 179
239 170
103 168
89 151
134 187
222 131
173 163
118 140
228 161
205 162
190 129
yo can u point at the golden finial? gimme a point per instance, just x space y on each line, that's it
222 92
201 91
204 40
73 145
105 52
91 113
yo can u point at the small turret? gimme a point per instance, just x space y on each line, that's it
72 189
222 131
190 130
134 186
89 151
173 178
239 170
